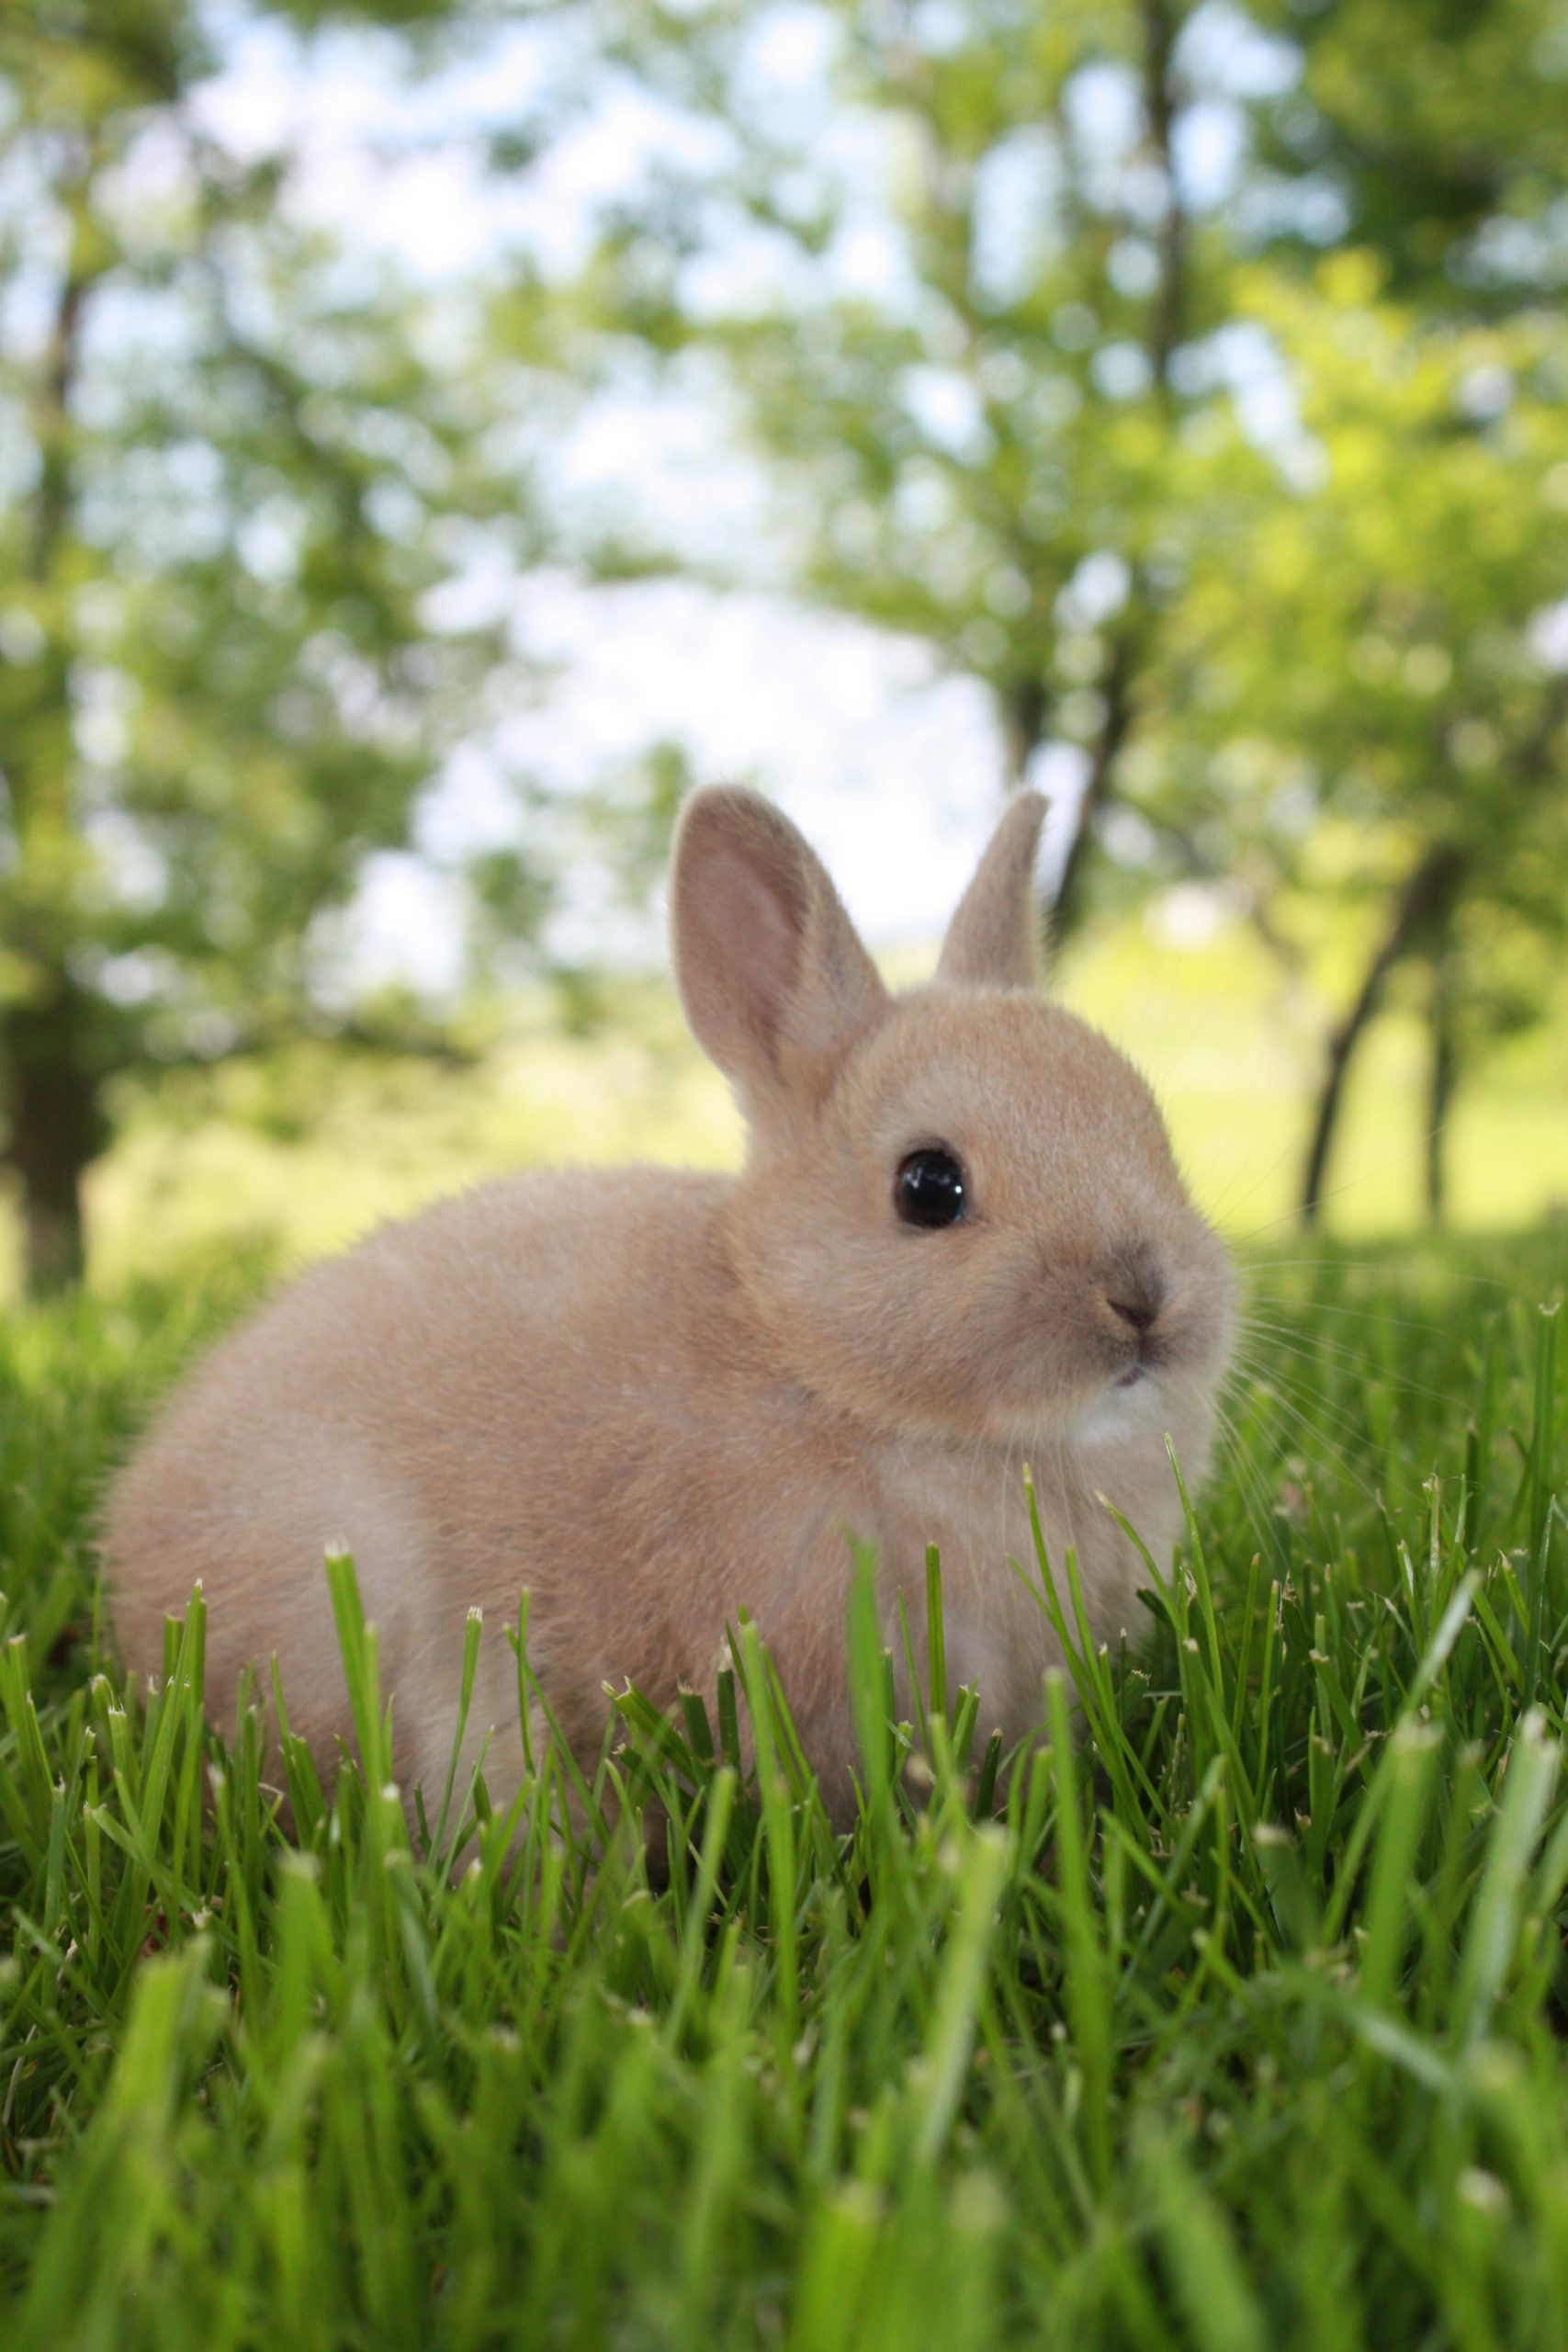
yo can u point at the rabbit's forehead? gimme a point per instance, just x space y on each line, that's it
1008 1072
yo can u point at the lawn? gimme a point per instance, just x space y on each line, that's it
1229 2015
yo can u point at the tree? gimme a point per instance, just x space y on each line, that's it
1371 693
1098 428
229 481
1429 138
1428 132
1001 438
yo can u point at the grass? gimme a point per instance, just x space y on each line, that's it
1231 2019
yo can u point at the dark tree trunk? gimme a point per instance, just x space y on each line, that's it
1427 892
1024 707
1443 1074
1164 328
1167 315
1113 732
54 1130
1342 1045
51 1126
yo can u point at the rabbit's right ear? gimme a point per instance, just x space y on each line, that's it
774 982
993 940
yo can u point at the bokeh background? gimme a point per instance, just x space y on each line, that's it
431 437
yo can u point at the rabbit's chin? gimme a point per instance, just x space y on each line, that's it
1124 1408
1122 1411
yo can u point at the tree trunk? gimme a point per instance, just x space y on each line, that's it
1164 328
1024 726
1442 1078
1427 894
51 1124
1169 311
50 1100
1108 744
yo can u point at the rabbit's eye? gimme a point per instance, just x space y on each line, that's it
928 1189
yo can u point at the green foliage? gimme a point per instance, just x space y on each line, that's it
1437 128
1240 487
1234 2022
960 432
1371 683
231 478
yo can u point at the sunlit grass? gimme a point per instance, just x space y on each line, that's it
1237 2027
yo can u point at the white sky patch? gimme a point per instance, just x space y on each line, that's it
891 768
1548 638
1191 915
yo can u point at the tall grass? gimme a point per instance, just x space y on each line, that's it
1226 2014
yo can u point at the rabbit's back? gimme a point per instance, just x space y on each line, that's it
545 1383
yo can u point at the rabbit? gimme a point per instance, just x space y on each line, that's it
959 1244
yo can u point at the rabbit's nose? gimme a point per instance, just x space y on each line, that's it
1136 1293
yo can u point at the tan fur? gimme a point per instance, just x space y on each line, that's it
653 1398
993 939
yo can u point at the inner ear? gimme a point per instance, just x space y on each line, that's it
993 940
772 976
765 913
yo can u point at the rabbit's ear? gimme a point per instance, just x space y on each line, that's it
993 940
774 981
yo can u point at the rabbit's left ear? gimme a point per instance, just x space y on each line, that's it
993 940
777 986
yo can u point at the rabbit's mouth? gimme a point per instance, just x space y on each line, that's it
1115 1413
1127 1398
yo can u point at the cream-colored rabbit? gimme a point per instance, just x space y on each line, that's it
959 1244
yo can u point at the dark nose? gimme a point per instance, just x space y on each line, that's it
1136 1293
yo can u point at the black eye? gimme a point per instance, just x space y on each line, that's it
928 1189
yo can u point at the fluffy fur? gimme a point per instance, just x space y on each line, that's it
652 1399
